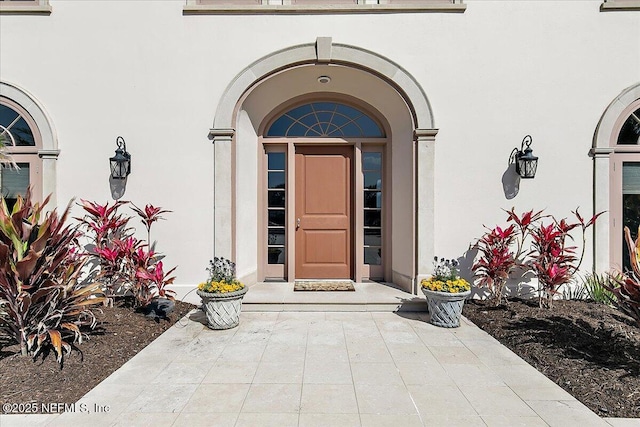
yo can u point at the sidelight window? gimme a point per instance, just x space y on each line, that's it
276 204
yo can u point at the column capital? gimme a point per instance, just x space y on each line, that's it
425 134
220 135
49 154
600 152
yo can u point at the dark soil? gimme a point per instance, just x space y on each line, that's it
120 334
590 350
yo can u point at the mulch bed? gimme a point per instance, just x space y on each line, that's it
590 350
121 333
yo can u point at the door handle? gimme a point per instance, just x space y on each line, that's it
297 223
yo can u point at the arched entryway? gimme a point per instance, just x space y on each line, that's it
327 213
334 75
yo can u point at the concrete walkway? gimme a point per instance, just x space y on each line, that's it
326 369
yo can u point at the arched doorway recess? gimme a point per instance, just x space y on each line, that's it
298 75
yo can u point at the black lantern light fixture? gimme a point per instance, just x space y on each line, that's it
526 162
121 162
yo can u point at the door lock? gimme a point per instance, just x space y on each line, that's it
297 223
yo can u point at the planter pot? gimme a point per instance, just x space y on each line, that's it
223 310
445 308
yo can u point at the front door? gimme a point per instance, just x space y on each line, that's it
324 204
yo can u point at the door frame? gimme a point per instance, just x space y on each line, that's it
287 145
324 150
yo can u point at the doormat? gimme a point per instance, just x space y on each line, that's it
323 285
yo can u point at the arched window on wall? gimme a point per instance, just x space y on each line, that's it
625 183
22 139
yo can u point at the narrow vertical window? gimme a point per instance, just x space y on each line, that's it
276 203
372 171
14 182
630 205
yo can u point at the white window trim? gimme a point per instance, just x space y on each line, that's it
620 5
38 7
193 8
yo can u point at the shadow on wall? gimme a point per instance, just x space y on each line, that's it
510 182
118 187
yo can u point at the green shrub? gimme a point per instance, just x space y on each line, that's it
575 292
596 286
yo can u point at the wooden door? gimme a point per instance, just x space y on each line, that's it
324 200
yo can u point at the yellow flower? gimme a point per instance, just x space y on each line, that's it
450 286
220 287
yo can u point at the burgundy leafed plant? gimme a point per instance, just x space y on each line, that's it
626 287
551 259
104 221
496 261
154 283
44 302
127 265
149 215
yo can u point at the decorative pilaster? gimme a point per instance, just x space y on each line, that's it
425 202
601 241
222 192
49 175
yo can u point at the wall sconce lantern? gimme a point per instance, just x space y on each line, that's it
526 162
121 162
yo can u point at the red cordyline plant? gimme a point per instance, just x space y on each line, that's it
44 303
104 222
497 260
550 258
127 265
553 261
149 215
154 281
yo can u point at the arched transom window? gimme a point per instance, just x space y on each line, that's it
630 130
325 120
14 127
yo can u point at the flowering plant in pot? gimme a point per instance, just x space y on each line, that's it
446 292
222 294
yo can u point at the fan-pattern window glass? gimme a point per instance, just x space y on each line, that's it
372 171
630 131
14 128
325 120
276 204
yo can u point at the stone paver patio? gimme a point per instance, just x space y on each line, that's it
325 369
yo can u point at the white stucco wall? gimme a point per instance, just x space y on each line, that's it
498 71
